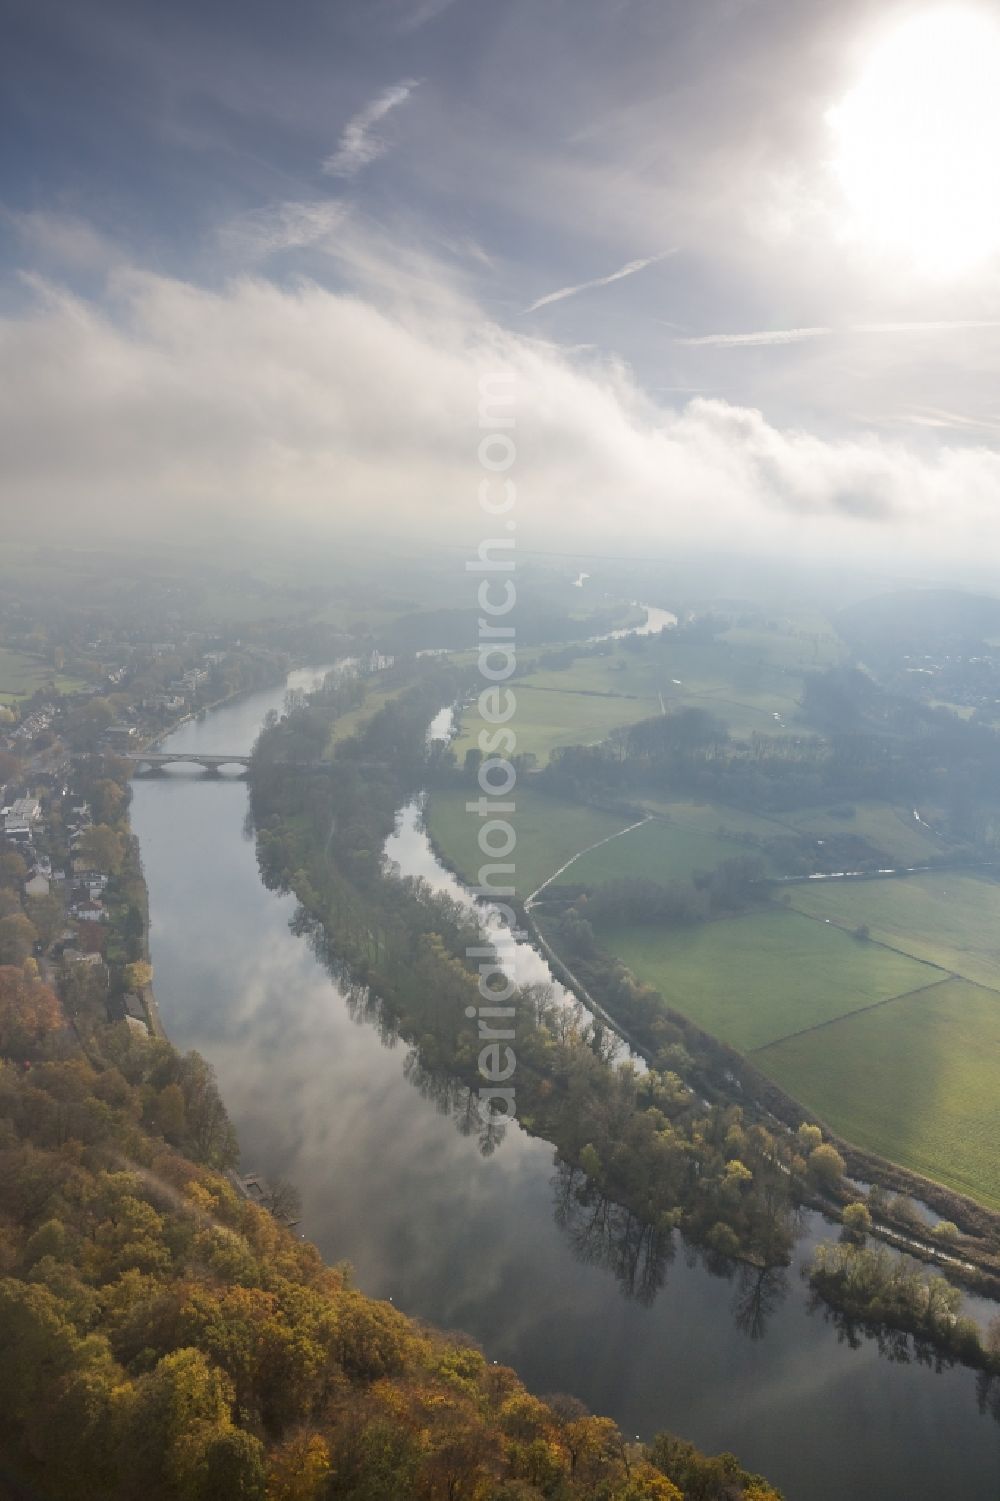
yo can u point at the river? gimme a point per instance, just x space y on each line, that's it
656 620
471 1242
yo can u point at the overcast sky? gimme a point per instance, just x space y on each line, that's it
253 258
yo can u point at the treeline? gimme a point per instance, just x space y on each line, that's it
733 886
875 1290
689 752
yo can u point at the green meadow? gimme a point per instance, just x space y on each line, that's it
893 1041
348 724
550 718
548 832
944 918
657 851
717 819
891 829
753 979
914 1080
21 675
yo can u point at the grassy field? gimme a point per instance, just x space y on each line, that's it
549 718
548 833
347 724
688 837
22 675
658 851
889 828
947 919
754 979
879 1038
715 818
915 1080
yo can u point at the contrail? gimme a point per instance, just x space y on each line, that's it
599 281
777 336
762 337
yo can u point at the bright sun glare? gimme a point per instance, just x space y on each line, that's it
918 143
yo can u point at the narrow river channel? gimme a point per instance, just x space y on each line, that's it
473 1242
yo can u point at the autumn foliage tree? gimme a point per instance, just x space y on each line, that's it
29 1012
17 938
102 848
139 974
825 1166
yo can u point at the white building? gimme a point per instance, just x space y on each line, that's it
19 819
26 807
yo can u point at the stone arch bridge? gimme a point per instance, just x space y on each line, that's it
154 761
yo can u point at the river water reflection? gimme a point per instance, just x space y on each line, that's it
390 1183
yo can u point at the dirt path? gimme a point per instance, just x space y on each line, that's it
529 901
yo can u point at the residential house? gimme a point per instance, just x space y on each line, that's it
74 956
17 830
135 1014
20 819
28 808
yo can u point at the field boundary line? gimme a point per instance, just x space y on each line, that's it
846 1016
881 943
635 698
951 974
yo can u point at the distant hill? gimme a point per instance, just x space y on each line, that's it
919 621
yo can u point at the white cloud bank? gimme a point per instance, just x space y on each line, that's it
258 406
